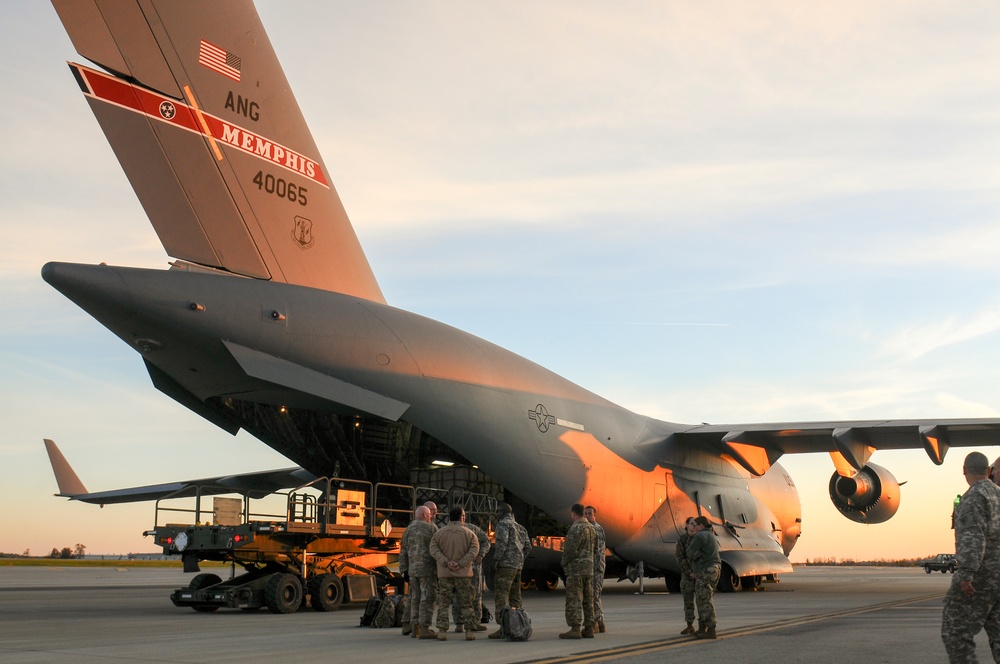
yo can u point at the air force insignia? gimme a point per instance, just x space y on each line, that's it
541 417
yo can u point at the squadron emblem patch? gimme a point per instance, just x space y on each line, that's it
302 232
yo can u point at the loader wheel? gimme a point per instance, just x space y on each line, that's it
326 592
283 593
204 581
548 582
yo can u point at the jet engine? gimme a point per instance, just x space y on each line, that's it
869 496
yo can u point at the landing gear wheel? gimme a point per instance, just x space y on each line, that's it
729 581
283 593
204 581
326 592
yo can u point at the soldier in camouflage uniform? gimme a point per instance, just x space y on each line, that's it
508 558
454 547
703 552
477 582
973 599
419 569
515 587
432 506
578 565
600 564
687 574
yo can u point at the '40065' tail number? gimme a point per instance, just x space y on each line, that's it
279 187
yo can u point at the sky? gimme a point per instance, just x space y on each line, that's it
704 212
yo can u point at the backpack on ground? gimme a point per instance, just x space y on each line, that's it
387 611
515 624
371 610
402 610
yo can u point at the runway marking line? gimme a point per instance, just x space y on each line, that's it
675 642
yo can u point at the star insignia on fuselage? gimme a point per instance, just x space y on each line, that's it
541 417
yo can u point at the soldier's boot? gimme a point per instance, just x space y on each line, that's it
701 630
427 633
480 627
587 632
442 635
470 636
573 633
689 629
600 626
496 635
407 629
709 633
416 631
459 628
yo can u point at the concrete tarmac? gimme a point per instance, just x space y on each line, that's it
817 614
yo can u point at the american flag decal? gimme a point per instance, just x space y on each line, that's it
216 59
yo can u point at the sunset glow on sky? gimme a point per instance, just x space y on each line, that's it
704 212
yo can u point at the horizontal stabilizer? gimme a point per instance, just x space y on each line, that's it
255 485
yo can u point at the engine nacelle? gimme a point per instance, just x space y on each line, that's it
869 496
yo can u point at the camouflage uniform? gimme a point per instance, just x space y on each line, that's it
515 587
977 550
415 559
687 583
477 577
578 565
704 554
508 557
600 564
455 543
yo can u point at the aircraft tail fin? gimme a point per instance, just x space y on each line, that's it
200 115
69 484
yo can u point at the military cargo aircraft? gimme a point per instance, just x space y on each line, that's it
270 319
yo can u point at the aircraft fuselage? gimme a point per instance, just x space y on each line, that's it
547 440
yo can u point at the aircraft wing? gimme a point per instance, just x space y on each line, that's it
200 115
254 485
757 446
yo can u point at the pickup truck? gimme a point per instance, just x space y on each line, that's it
942 562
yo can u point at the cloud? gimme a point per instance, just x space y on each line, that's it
913 342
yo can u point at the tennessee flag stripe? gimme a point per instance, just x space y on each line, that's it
217 59
155 107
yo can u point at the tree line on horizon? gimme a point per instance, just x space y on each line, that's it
65 553
834 561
